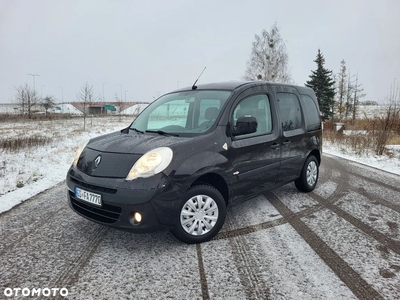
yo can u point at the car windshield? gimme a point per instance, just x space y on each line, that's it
182 113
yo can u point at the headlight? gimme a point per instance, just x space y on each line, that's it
151 163
78 153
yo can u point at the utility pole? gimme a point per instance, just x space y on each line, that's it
121 90
355 102
103 90
33 75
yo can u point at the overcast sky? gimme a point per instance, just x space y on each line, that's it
147 48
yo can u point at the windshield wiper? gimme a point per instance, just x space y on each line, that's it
162 132
137 130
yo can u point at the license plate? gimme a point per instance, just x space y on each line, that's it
88 196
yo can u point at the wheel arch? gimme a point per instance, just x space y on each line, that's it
317 154
216 181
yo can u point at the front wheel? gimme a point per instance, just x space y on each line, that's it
309 175
201 215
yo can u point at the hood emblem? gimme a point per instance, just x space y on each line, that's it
97 161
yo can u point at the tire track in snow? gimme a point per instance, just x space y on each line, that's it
351 278
253 286
378 199
70 274
373 180
10 244
39 214
380 237
203 279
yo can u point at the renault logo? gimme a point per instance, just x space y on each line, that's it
97 161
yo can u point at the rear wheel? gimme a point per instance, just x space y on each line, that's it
201 215
309 175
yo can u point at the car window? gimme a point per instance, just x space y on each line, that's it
289 109
209 110
172 113
186 113
257 106
311 112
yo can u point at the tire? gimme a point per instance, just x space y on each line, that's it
201 215
309 175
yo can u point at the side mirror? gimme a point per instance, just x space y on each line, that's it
245 125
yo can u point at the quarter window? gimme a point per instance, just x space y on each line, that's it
311 112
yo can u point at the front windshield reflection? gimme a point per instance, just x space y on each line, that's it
189 112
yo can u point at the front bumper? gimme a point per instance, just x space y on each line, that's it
156 198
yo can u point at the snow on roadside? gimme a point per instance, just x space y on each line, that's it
388 164
40 168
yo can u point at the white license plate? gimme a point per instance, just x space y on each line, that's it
88 196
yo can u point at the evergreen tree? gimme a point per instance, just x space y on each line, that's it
323 84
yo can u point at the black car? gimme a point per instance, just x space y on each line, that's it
194 151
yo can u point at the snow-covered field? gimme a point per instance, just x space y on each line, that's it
28 172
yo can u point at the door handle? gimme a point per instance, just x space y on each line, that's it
286 143
275 146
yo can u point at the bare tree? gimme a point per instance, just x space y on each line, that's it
341 89
358 93
85 96
27 98
349 97
388 122
48 102
268 60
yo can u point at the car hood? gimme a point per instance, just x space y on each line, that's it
131 143
117 152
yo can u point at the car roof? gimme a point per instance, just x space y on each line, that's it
235 84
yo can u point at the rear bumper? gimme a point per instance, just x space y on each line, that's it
157 199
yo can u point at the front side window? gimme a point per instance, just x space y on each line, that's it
182 113
289 108
256 106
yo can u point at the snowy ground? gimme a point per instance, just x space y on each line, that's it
26 173
342 241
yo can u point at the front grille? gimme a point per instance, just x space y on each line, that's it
106 213
93 187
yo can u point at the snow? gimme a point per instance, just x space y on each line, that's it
40 168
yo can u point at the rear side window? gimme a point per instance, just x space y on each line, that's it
289 108
311 112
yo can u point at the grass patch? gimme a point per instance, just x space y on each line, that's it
18 143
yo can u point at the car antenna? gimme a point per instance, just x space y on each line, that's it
194 84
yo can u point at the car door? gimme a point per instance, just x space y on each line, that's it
293 135
255 157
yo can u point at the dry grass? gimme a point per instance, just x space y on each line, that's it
18 143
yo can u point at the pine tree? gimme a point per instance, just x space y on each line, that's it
323 84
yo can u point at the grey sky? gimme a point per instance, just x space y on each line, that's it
151 47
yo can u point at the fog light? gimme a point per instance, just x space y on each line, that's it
136 219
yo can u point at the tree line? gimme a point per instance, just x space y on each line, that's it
338 96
